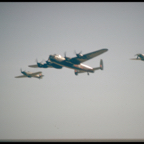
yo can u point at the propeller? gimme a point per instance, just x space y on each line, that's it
43 60
48 62
67 58
21 70
39 63
138 55
78 54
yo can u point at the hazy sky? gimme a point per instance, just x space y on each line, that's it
108 104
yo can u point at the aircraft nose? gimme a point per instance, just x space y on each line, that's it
50 57
105 49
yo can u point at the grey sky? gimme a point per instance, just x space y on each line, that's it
108 104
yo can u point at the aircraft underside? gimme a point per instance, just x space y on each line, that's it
73 66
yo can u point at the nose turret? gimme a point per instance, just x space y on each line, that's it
50 57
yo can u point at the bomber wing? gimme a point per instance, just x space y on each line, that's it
34 66
87 56
43 66
22 76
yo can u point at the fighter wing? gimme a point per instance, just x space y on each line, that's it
87 56
33 74
135 59
22 76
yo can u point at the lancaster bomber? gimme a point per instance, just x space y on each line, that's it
58 62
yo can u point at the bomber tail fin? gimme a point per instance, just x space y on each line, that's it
101 66
96 68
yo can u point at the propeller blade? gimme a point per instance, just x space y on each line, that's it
36 61
65 54
75 52
42 61
48 58
78 54
66 58
48 62
138 55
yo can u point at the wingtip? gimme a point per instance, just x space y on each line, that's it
33 66
105 49
134 59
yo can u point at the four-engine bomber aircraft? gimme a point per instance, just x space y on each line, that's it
57 61
139 57
30 74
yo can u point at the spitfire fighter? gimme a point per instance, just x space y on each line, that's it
30 74
57 61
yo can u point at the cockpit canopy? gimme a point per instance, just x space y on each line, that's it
58 55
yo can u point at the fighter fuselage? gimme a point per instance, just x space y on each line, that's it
141 56
29 74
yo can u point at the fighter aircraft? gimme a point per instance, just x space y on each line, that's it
30 74
139 57
57 61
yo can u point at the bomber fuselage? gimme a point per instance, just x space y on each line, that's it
59 60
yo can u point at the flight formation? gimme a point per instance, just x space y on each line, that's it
58 62
76 63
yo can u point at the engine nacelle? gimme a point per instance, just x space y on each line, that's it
56 66
53 65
